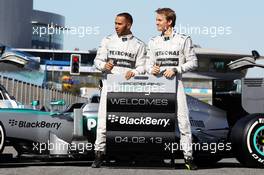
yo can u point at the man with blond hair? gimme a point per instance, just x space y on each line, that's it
171 54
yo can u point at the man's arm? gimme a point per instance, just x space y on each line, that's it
191 62
150 59
101 55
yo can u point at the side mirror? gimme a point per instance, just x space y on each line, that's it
246 62
242 63
59 102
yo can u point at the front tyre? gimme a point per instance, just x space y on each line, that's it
2 137
247 138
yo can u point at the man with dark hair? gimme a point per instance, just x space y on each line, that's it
171 54
127 16
120 53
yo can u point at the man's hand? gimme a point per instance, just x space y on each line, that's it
109 66
155 70
169 73
129 74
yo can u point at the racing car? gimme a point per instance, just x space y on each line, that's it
231 127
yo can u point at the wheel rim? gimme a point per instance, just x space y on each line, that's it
258 140
2 136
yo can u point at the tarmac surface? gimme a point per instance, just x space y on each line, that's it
225 166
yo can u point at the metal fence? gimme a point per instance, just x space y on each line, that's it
25 93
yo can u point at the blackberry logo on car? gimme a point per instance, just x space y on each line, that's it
34 124
12 122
